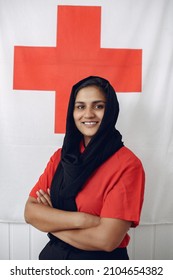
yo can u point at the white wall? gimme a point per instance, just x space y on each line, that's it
23 242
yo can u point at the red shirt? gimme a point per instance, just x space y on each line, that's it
115 189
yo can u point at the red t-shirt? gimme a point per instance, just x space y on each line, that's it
115 189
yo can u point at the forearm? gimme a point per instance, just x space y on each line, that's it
81 239
105 237
49 219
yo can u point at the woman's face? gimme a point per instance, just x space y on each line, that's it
88 111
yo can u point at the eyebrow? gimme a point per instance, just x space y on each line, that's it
96 101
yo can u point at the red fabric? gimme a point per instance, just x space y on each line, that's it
115 190
77 54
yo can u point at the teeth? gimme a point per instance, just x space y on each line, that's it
90 122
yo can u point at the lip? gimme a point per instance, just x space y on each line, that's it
90 123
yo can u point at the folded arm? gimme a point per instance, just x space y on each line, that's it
40 214
81 230
106 236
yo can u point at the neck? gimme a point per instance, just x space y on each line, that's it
86 141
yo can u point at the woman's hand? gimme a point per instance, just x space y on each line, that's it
40 213
84 220
44 198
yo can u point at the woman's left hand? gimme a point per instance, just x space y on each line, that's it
44 198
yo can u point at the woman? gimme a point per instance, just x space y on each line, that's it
91 191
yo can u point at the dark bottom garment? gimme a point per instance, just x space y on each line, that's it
59 250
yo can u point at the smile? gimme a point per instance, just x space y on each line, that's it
90 123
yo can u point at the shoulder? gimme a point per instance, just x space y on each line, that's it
56 157
126 155
126 160
129 164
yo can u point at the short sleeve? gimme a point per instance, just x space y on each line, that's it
124 201
45 179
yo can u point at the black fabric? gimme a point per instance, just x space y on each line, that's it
75 167
56 249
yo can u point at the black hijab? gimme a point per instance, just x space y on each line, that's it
75 167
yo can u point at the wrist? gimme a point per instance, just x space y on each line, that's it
87 220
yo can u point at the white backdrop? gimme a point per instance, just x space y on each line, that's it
27 137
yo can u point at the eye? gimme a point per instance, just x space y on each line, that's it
79 107
100 106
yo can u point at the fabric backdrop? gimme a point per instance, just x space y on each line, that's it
32 102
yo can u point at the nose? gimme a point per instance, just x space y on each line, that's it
89 112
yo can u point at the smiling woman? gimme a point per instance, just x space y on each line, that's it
88 111
91 191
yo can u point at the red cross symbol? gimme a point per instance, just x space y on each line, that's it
76 55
